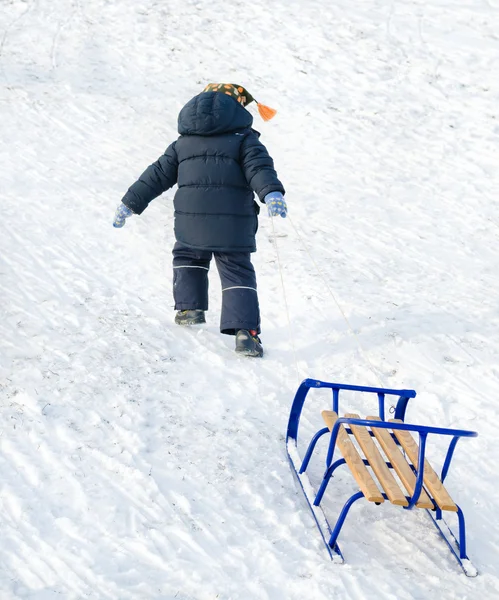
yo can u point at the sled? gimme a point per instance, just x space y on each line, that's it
375 449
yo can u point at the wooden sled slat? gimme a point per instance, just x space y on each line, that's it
362 476
400 464
430 478
378 464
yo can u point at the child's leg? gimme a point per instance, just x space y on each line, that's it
240 308
190 278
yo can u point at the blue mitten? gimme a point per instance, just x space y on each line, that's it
276 204
122 213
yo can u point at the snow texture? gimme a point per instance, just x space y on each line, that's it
140 460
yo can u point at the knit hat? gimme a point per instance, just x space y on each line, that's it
242 96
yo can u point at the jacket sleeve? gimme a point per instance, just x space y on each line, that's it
156 179
258 167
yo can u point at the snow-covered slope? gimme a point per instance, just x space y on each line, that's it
140 460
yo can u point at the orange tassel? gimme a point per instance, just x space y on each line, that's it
266 112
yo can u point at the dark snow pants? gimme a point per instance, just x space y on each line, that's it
240 308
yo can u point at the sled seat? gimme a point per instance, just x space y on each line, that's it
364 436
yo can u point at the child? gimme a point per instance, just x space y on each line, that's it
218 163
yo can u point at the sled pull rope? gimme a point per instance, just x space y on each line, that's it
291 338
356 337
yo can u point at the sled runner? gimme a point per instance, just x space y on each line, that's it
387 447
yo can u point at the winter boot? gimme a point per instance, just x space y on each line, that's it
189 317
248 343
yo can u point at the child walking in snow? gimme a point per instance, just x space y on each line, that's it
218 163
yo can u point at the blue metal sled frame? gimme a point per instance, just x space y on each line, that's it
457 545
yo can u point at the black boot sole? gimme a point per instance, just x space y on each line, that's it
250 353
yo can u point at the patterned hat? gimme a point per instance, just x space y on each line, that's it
242 96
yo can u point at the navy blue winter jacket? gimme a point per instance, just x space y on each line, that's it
218 163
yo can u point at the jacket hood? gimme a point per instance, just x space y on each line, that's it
212 113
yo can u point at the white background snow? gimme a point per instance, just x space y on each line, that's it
140 460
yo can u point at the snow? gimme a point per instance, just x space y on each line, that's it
140 460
